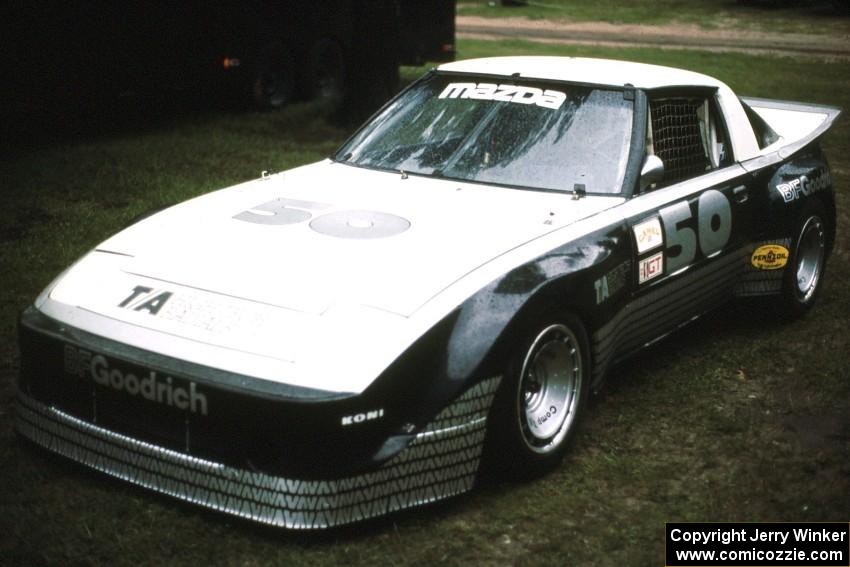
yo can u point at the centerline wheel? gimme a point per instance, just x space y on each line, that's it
541 398
810 258
549 388
804 273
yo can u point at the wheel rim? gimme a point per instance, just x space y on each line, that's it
270 89
329 69
549 388
810 255
329 81
273 80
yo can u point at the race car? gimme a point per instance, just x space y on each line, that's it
440 297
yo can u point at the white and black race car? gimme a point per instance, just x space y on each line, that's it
356 336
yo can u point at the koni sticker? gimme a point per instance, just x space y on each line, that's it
361 417
648 235
505 93
770 257
651 267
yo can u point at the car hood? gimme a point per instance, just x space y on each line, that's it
425 234
285 279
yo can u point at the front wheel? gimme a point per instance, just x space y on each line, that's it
543 393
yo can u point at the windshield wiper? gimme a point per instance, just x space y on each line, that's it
471 137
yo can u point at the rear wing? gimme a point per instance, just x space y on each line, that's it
797 123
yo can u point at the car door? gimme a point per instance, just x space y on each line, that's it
691 229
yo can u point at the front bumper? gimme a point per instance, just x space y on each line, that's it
442 461
271 453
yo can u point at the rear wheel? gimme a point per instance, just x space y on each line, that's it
543 393
803 276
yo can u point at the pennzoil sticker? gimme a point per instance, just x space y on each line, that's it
769 257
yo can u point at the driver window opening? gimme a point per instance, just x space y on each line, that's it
684 133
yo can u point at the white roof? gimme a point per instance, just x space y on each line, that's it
584 70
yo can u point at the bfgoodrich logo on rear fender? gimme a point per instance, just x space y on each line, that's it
150 386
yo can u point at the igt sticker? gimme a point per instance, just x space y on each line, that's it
650 268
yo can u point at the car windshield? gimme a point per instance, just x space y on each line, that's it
550 136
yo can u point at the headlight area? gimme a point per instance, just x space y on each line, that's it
295 457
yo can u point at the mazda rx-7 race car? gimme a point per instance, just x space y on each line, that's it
363 334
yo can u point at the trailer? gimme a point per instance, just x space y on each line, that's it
83 57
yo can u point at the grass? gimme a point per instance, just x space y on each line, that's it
732 419
813 17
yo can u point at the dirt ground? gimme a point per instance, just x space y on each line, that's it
672 36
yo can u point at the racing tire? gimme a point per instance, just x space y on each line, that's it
273 84
803 277
541 399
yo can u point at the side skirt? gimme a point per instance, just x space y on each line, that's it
657 313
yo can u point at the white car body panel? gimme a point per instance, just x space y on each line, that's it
791 125
308 290
584 70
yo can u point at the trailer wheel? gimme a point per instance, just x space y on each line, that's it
327 71
273 85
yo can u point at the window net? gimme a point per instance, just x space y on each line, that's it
677 138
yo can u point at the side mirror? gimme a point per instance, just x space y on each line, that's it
651 172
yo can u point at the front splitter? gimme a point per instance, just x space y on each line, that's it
441 462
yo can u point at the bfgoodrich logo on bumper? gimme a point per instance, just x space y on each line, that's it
150 386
